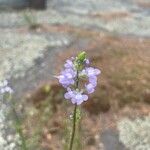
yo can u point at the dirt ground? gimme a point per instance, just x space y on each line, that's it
123 90
34 46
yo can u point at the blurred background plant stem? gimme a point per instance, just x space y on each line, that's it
18 124
19 130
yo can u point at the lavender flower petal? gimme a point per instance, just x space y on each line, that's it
90 88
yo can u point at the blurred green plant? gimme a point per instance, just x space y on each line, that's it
19 130
30 19
17 122
39 116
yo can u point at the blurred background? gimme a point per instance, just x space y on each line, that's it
37 36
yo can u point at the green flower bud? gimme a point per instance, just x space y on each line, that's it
81 57
79 61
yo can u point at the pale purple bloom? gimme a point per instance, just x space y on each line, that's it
90 71
65 81
4 88
68 64
93 80
2 91
79 98
66 78
69 73
87 62
75 96
90 88
69 94
8 89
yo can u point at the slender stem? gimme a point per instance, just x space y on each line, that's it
74 118
73 128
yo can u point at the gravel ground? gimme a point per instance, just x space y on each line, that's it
27 57
119 17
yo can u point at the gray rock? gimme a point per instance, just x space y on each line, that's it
13 3
110 140
119 17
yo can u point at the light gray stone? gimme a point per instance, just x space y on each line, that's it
110 140
13 3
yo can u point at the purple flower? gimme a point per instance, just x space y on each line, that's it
68 64
90 88
90 71
69 94
93 80
87 62
66 78
75 96
79 98
69 73
4 88
65 81
69 76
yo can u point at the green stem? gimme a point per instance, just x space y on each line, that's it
73 128
74 118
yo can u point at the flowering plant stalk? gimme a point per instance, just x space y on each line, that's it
79 79
6 94
19 130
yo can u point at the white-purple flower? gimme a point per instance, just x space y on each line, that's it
93 80
79 98
90 71
90 88
69 94
65 81
69 64
66 78
87 62
4 88
75 96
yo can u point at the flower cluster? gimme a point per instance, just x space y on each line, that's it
77 70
